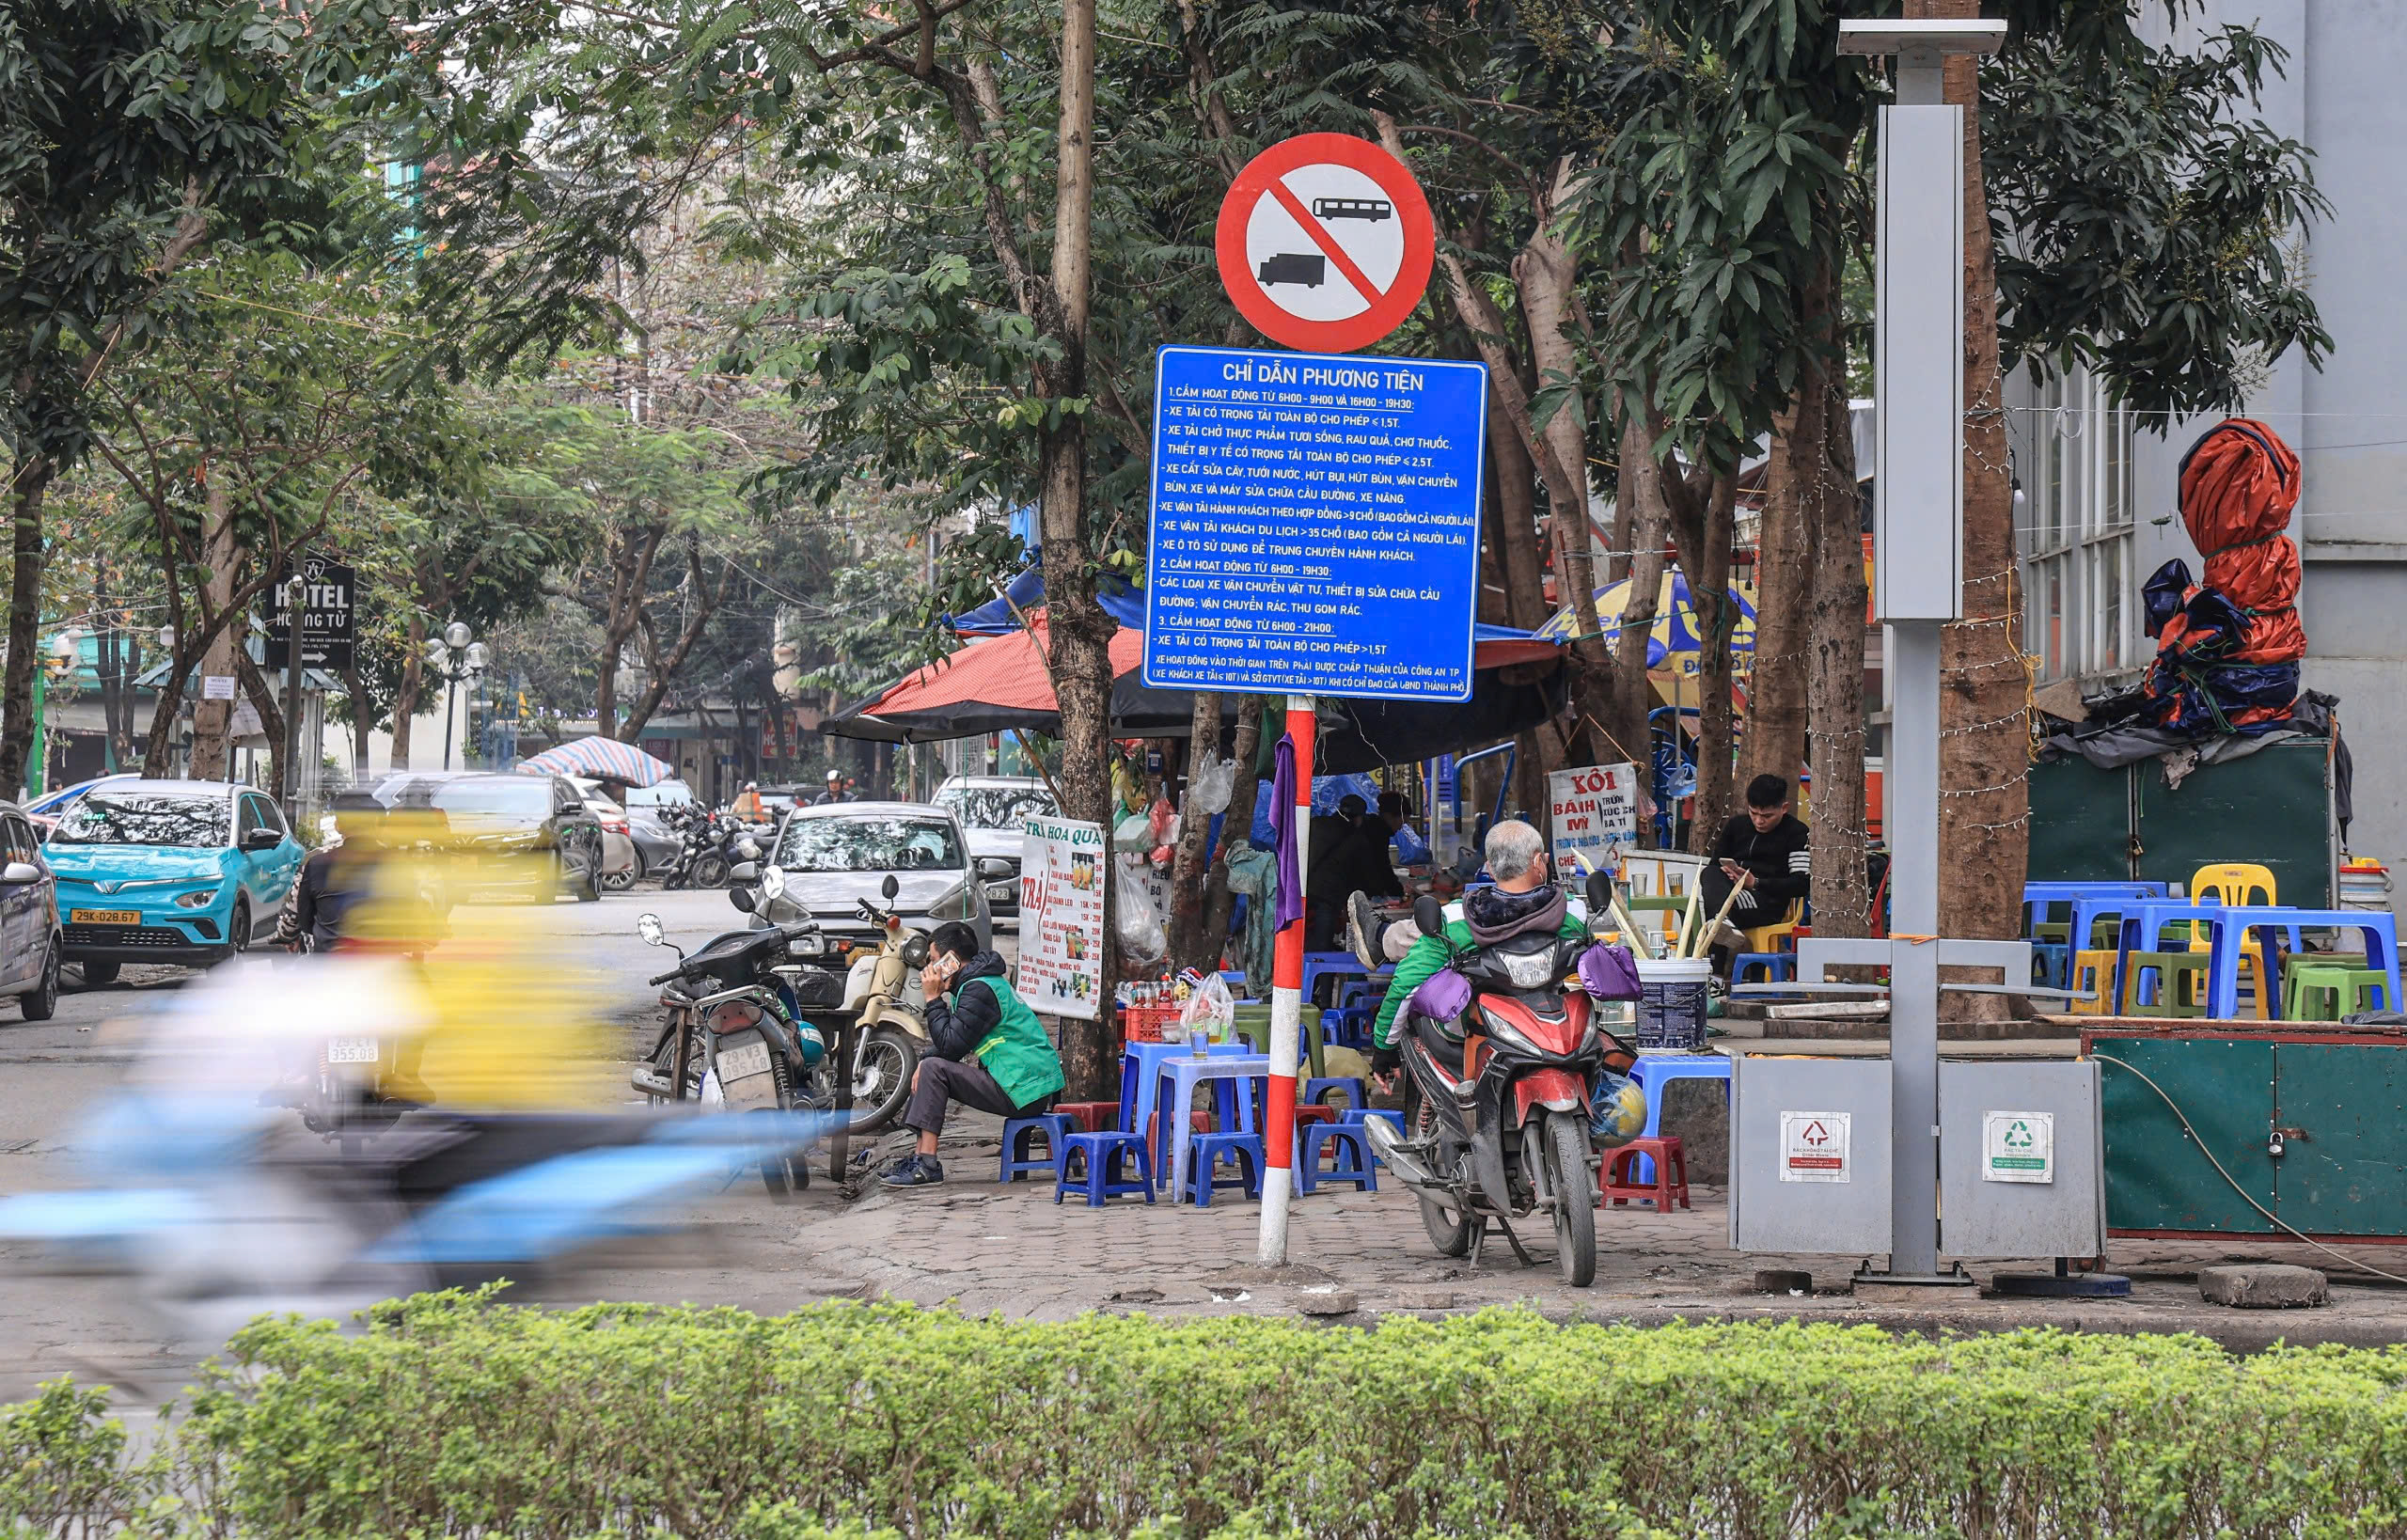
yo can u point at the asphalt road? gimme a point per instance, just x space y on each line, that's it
54 1073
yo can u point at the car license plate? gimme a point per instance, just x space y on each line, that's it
105 917
750 1059
351 1050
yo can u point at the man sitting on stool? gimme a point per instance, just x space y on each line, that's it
991 1052
1762 851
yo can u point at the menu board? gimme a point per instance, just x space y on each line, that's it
1060 918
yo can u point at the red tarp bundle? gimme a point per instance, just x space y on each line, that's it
2239 484
2229 648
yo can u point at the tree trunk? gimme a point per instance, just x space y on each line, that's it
212 720
1236 828
32 483
1984 762
1513 518
1190 944
412 682
1821 447
1640 491
1775 743
1703 538
1080 632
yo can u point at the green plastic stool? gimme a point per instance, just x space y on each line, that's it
2328 993
2059 932
2172 971
1252 1024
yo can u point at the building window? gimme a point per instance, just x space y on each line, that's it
2075 529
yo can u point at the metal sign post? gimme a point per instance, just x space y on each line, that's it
1918 555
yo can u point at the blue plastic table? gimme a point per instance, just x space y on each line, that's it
2230 928
1138 1064
2089 908
2039 898
1181 1076
1653 1070
2142 930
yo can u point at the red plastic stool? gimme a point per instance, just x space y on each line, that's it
1670 1188
1091 1117
1310 1112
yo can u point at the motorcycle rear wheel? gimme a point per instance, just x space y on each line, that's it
1451 1231
1575 1198
711 872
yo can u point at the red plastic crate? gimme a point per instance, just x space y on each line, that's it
1150 1023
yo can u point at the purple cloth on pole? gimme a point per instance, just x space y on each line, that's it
1290 906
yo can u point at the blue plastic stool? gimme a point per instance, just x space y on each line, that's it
1779 966
2050 964
1364 1114
1055 1126
1653 1072
1202 1179
1346 1083
1349 1149
1104 1153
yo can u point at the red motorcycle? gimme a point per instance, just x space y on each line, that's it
1505 1063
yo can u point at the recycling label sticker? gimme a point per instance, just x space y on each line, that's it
2018 1147
1814 1147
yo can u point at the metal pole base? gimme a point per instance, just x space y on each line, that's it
2062 1285
1874 1285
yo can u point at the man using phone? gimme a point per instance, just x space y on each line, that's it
990 1051
1761 853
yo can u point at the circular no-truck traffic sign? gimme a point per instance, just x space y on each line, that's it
1325 242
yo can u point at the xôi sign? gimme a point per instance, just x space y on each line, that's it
1325 242
1593 813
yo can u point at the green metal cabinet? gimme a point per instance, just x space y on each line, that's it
2336 1100
2273 808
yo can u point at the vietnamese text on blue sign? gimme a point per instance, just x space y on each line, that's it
1315 523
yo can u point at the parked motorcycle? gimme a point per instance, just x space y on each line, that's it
739 1031
1504 1064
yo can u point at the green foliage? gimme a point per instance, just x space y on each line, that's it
453 1415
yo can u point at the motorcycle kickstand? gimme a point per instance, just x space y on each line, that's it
1506 1226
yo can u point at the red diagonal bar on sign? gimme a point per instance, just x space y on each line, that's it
1372 294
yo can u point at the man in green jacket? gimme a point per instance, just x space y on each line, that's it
990 1050
1521 899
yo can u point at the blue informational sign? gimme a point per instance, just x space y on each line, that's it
1315 523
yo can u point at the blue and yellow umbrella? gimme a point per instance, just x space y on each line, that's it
1674 643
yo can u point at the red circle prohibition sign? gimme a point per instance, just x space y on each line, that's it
1337 190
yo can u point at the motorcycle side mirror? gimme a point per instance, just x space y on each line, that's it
892 886
744 872
773 883
742 898
648 926
1428 915
915 950
1601 894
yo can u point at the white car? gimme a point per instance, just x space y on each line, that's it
833 857
994 811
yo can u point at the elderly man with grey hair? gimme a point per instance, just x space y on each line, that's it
1521 901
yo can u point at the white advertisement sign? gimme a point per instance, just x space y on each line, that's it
2019 1147
1060 918
217 687
1814 1147
1593 816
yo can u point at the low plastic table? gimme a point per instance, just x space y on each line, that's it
2231 927
1140 1063
1181 1075
2040 896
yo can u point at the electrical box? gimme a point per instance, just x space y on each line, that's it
1809 1155
2021 1167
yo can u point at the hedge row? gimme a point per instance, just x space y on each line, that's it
453 1415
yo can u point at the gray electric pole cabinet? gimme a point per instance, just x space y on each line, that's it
2018 1169
1810 1161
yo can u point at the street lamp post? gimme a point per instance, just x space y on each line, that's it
454 656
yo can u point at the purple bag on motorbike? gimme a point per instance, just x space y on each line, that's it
1608 973
1442 997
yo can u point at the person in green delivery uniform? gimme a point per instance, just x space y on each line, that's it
990 1050
1521 899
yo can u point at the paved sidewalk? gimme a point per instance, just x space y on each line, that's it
982 1248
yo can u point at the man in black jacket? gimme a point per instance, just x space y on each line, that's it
1761 853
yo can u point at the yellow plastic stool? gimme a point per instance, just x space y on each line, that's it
2093 973
1769 938
2237 883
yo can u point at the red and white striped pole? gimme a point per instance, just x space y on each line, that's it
1287 1010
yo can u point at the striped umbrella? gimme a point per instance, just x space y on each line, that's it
1674 640
599 759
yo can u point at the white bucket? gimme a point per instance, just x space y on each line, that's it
1671 1002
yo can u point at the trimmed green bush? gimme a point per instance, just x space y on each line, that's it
452 1415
